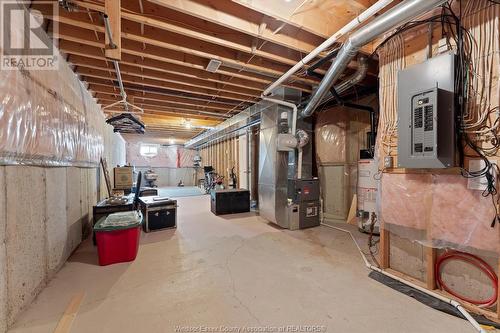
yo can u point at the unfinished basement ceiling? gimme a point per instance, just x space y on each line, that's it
166 46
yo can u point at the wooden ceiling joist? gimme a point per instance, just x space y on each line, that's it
229 16
157 112
71 28
166 101
204 17
191 97
136 79
109 99
163 67
167 77
160 18
181 63
165 46
322 18
172 117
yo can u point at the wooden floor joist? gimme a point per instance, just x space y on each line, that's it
156 102
162 67
165 47
154 83
72 29
191 97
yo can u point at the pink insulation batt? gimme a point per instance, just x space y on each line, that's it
442 207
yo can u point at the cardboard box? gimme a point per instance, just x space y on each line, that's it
123 178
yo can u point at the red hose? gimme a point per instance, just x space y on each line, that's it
474 261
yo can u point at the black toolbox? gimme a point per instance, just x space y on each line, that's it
229 201
159 213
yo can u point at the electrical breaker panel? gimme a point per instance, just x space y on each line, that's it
426 122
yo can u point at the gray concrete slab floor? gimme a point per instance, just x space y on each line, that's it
233 271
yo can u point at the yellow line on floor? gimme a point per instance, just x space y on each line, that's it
64 325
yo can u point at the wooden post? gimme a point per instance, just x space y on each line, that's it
430 254
113 10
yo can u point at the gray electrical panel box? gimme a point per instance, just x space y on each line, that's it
426 118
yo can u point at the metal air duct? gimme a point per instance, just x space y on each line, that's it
394 17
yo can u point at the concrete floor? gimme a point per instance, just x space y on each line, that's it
233 271
179 192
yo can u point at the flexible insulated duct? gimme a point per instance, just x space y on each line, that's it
353 24
355 78
391 19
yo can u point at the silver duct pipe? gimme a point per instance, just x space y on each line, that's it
355 78
351 81
391 19
238 121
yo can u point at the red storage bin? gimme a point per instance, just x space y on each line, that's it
118 242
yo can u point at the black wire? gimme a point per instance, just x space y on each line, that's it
451 27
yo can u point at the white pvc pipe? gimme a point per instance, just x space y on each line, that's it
369 12
299 165
452 302
290 105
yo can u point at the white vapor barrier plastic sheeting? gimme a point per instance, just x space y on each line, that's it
47 117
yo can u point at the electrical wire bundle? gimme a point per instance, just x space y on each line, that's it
468 133
463 86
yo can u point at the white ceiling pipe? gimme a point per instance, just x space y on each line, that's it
391 19
368 13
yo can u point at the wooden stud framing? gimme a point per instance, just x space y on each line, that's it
384 248
430 255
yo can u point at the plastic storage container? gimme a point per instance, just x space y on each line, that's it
118 236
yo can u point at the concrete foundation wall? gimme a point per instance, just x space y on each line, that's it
44 215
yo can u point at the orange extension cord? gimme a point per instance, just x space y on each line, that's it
476 262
